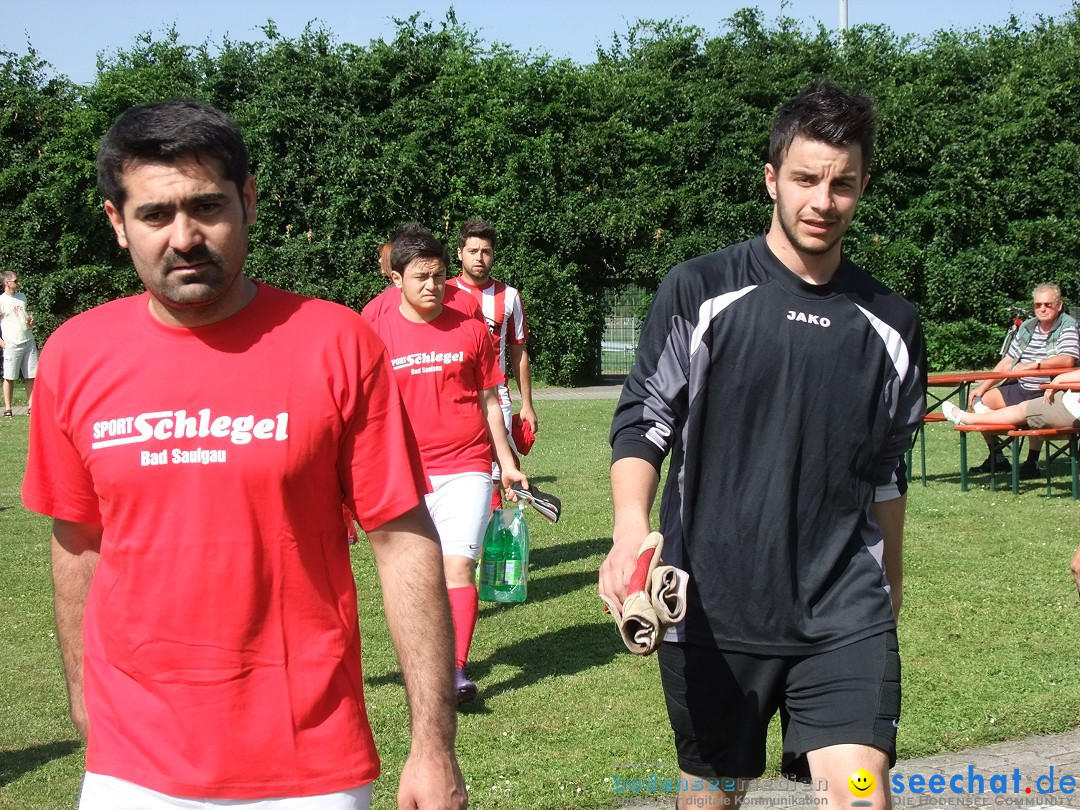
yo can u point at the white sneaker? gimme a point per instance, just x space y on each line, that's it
978 406
952 413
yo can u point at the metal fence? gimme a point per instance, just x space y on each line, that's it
622 328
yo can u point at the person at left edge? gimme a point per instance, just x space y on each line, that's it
17 341
194 445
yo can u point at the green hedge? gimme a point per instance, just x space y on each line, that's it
597 175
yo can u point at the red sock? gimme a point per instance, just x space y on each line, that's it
464 607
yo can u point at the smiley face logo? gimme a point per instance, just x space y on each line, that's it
861 783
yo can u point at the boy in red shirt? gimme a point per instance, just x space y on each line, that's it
448 373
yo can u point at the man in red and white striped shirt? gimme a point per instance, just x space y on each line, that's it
503 311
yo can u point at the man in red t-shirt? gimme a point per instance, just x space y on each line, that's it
446 368
504 313
194 461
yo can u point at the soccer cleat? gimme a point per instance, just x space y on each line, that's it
464 688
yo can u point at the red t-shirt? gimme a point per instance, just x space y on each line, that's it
390 299
441 366
222 648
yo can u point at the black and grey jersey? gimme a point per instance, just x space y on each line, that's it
787 408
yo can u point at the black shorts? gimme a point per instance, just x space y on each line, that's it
1013 393
720 704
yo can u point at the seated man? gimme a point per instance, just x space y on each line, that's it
1048 342
1047 411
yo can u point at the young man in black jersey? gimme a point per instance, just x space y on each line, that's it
786 383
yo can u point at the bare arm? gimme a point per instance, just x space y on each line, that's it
889 516
1068 377
633 488
1004 364
493 418
1050 364
1063 379
1075 568
519 361
75 551
1055 363
418 614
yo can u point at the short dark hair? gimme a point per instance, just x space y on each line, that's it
413 241
475 227
823 112
385 247
408 227
166 133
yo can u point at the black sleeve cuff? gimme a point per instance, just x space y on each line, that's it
634 445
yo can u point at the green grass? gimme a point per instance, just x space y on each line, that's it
987 634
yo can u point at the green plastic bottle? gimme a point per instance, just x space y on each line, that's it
516 560
493 561
504 557
512 565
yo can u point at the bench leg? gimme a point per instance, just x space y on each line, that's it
1049 475
1017 447
963 462
993 466
1073 467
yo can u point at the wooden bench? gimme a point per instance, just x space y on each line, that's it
949 385
1058 442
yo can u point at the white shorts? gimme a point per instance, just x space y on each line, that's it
20 360
109 793
460 506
